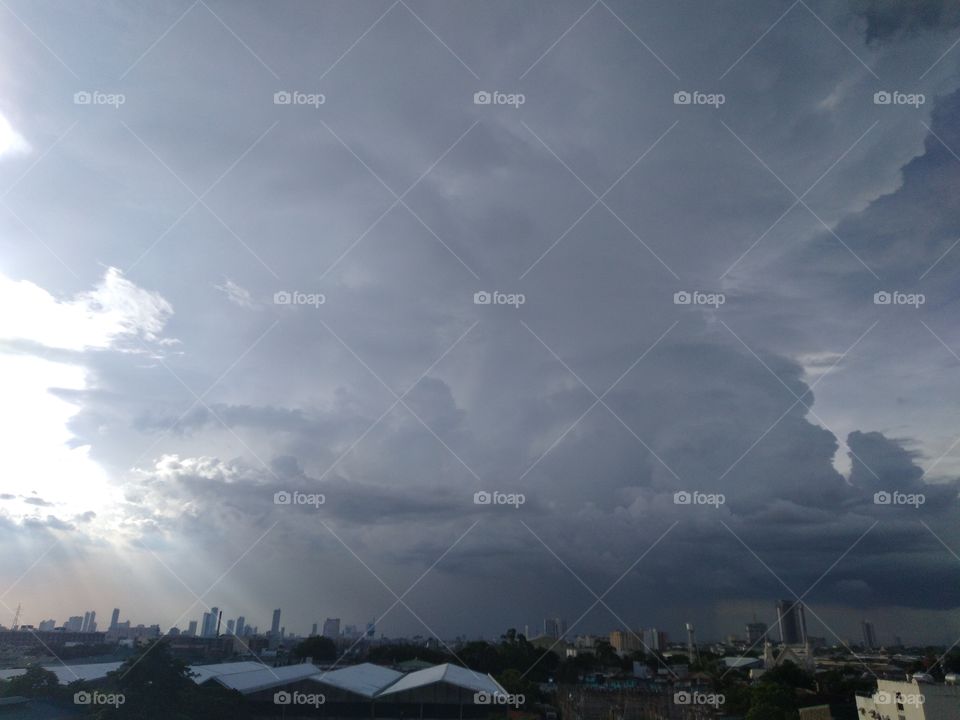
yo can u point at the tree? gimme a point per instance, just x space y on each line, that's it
319 648
35 682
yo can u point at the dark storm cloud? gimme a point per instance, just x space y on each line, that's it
888 19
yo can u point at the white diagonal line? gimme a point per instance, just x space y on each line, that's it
239 39
390 590
398 199
39 158
599 598
355 42
157 41
601 401
27 571
839 39
937 262
757 41
797 402
396 402
199 199
206 592
200 600
39 40
597 401
199 399
557 41
399 399
799 598
937 62
598 199
800 200
640 40
400 599
37 237
439 40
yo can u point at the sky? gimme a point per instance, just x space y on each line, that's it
589 261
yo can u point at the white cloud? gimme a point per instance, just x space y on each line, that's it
235 293
11 142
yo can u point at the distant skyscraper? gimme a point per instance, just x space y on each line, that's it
214 621
229 627
313 630
869 635
793 622
191 629
756 631
84 626
47 625
115 619
331 628
372 628
655 640
240 626
205 625
73 624
92 623
275 625
555 627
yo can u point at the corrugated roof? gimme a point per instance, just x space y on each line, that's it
256 680
452 674
202 673
365 679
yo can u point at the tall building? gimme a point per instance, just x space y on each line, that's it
191 629
756 631
331 628
73 624
793 622
92 623
240 626
230 627
85 625
555 627
275 624
214 621
205 625
625 642
47 625
313 630
372 628
655 640
115 619
869 635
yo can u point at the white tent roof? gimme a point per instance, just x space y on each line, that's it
202 673
365 679
452 674
255 680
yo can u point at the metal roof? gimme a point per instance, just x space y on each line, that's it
202 673
266 677
365 679
451 674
